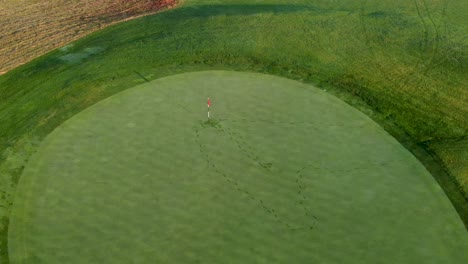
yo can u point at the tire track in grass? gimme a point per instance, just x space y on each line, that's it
249 152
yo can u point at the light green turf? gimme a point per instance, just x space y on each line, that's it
284 173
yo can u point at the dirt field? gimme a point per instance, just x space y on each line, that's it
32 28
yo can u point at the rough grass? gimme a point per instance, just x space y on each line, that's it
454 154
409 66
32 28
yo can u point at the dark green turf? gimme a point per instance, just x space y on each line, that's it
283 173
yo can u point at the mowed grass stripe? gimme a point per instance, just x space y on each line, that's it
284 173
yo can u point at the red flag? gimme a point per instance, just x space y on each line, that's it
209 102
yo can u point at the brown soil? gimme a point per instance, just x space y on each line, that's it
30 28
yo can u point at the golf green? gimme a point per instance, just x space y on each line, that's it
282 173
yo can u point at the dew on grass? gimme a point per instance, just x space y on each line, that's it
66 48
78 57
74 57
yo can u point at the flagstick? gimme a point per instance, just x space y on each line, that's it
209 104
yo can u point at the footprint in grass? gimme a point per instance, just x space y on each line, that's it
239 188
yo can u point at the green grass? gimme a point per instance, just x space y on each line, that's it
408 68
282 173
454 154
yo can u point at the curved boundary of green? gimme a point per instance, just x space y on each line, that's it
428 217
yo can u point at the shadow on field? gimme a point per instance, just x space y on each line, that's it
141 76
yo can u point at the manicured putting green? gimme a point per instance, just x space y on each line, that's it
284 173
